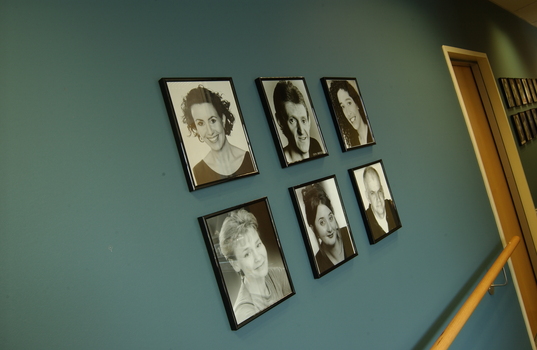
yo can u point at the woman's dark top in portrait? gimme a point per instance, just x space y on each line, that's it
323 262
204 174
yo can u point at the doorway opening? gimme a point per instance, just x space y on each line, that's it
501 168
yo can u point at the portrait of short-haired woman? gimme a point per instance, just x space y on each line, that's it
249 260
261 285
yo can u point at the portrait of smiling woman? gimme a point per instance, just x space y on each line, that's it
324 224
209 130
348 112
251 266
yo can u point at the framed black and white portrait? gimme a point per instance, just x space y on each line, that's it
534 115
527 90
532 90
209 130
325 228
507 92
376 201
531 123
247 259
526 126
519 130
533 82
292 119
521 93
514 91
348 112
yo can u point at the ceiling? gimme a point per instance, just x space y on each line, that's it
525 9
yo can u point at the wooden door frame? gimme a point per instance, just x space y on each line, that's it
507 150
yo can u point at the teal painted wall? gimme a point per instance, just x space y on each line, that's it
99 243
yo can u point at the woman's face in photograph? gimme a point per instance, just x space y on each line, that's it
251 255
325 225
209 125
349 107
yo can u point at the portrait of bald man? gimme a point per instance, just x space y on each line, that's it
379 208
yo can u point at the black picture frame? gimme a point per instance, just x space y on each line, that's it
199 144
533 82
504 82
527 91
514 90
522 94
534 116
297 139
377 185
532 90
324 224
517 123
348 112
525 126
258 258
531 124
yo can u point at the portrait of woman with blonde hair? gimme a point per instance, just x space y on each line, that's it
248 260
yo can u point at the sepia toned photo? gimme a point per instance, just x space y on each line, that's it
324 224
348 112
527 91
534 115
247 259
292 119
521 92
532 90
514 91
526 126
534 83
520 133
376 201
209 130
507 92
531 123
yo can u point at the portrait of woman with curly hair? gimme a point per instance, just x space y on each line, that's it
349 112
210 129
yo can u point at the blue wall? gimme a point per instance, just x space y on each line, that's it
99 243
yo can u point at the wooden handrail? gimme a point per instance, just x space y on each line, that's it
453 328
